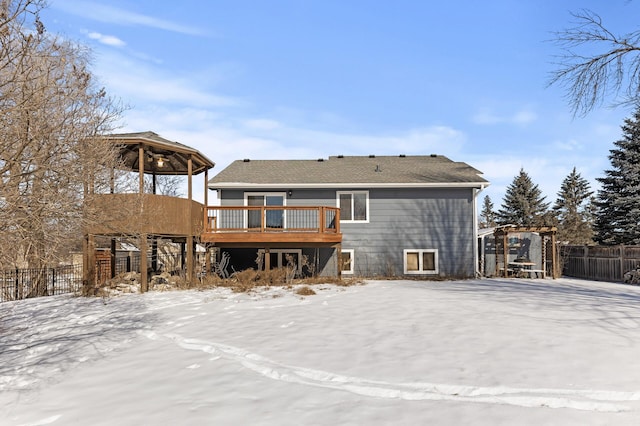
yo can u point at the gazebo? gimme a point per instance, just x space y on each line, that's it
149 216
506 254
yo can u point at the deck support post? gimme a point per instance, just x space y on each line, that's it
89 262
144 277
339 260
267 259
154 254
207 260
190 265
113 257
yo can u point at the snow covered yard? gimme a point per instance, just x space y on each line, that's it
388 352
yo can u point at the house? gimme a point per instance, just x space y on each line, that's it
361 215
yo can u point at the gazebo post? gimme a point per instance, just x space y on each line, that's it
205 219
190 247
112 189
144 285
505 252
554 256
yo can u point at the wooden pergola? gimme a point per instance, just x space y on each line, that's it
180 219
548 234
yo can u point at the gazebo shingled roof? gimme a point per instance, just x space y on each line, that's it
174 155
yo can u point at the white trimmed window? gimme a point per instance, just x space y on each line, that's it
354 206
420 261
346 261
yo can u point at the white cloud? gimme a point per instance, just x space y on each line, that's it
138 83
523 117
113 15
487 116
567 145
106 39
262 124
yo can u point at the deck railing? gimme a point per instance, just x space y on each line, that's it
149 213
317 219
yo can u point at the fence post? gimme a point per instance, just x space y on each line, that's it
53 281
17 283
621 257
585 262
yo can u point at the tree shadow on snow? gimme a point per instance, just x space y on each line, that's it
608 306
40 338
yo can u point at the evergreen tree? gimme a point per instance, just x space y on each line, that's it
573 210
487 215
523 203
618 203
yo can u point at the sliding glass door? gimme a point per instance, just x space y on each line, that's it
273 218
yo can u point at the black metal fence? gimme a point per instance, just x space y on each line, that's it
19 284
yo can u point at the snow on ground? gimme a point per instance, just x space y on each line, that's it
389 352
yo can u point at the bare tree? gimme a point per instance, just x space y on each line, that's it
164 185
597 64
51 159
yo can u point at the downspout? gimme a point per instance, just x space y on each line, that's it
476 260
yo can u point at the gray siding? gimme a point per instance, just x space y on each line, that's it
399 219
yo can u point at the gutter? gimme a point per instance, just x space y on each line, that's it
252 186
476 258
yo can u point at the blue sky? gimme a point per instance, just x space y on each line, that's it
307 79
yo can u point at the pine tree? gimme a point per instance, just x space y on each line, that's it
487 215
523 203
618 202
573 210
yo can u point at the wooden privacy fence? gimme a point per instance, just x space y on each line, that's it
600 263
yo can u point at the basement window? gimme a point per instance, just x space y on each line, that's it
346 261
420 261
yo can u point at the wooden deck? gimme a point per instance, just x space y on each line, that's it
247 225
170 216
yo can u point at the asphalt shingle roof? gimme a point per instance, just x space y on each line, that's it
383 170
175 154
